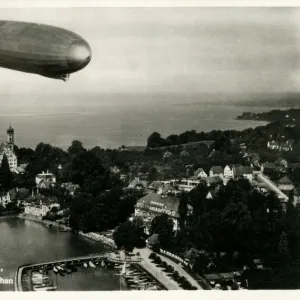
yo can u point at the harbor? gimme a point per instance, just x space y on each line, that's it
46 276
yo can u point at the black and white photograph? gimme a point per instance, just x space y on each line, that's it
149 148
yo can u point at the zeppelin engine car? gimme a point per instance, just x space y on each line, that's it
42 49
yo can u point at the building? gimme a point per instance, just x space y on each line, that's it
19 170
216 171
285 147
7 149
211 195
154 204
273 145
200 173
243 172
45 180
285 184
167 155
5 199
186 184
166 189
228 172
281 162
138 184
184 153
154 186
123 177
115 170
40 208
268 168
70 187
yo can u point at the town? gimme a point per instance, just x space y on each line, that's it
225 209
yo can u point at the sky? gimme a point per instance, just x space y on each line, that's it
170 50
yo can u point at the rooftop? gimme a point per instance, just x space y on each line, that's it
285 180
217 170
156 200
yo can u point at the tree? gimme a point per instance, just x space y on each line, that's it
152 174
5 174
163 226
283 246
182 209
201 262
139 227
76 148
54 209
155 140
125 236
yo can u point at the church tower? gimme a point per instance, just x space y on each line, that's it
10 138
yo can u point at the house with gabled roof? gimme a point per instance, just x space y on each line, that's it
216 171
166 188
211 194
45 180
167 155
154 186
285 184
184 153
200 173
243 172
228 172
281 162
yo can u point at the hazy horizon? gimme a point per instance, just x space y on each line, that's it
170 50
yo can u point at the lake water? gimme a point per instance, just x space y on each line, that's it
24 241
111 122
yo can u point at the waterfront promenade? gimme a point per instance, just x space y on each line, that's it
160 275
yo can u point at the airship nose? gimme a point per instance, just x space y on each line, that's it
80 54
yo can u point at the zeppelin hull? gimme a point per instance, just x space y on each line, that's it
42 49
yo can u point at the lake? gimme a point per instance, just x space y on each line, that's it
24 241
110 122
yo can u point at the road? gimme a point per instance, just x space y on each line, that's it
272 186
161 276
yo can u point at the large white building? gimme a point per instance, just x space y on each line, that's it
154 204
7 149
39 209
45 180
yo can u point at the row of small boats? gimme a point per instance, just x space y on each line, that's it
63 269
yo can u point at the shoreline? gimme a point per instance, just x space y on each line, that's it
90 235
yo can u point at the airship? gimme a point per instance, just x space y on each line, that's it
41 49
